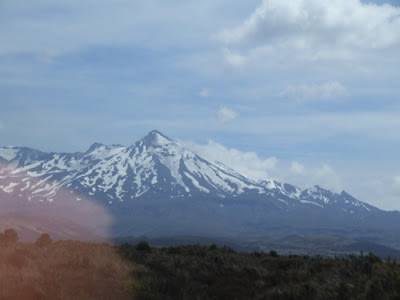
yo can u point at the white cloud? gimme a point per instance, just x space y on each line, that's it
324 170
326 91
205 93
226 115
298 174
297 168
318 28
396 185
377 185
251 165
248 164
255 167
326 176
234 59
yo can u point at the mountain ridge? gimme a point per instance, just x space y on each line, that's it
156 186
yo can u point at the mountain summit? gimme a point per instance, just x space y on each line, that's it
157 187
156 138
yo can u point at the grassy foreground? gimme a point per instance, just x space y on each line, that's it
63 270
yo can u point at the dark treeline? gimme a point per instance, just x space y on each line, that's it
200 272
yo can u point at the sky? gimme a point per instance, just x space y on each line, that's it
302 91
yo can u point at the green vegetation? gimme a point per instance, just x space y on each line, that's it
83 270
199 272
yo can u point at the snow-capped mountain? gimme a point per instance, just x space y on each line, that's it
152 165
157 186
155 164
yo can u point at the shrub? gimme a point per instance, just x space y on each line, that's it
212 247
9 236
44 240
143 247
132 286
273 253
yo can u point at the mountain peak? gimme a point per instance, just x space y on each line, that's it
93 147
156 138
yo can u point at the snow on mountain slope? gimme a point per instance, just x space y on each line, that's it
155 165
155 162
8 153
